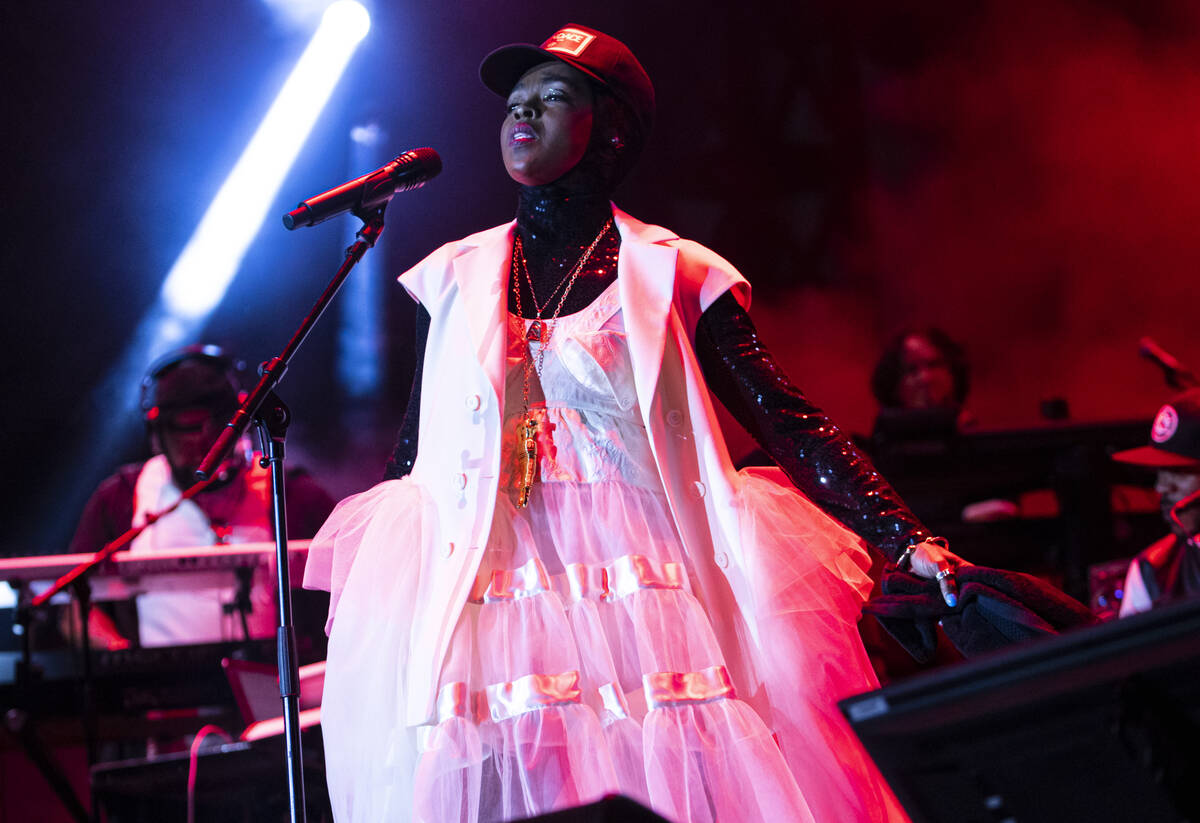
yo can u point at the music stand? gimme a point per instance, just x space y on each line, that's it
1102 724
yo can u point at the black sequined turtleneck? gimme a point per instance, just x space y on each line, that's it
556 223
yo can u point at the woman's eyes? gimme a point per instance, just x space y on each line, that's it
552 95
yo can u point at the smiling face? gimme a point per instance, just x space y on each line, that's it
548 124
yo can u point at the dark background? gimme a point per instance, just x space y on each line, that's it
1021 173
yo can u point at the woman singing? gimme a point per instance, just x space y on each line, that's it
564 589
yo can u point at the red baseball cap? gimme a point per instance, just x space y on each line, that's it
605 59
1174 436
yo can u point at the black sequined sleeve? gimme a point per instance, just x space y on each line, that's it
405 452
814 453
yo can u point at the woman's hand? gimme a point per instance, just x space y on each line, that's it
933 559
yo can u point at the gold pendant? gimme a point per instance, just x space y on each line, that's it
530 468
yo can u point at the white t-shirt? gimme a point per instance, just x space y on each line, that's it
190 607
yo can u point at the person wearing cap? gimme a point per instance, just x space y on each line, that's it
1169 569
187 397
563 589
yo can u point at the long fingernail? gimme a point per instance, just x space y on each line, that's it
951 601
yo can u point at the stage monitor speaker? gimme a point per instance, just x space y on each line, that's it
1102 724
234 782
612 809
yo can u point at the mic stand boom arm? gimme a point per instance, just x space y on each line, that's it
1183 505
271 416
273 370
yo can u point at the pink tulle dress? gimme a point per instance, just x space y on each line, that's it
583 664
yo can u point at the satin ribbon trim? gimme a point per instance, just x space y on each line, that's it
452 701
613 700
665 689
632 572
532 693
581 582
505 585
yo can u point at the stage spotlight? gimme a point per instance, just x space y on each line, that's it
294 14
211 258
209 261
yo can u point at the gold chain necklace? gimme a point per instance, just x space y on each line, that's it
539 331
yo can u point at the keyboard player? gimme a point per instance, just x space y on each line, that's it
186 398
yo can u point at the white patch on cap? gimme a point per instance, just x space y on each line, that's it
1165 425
569 41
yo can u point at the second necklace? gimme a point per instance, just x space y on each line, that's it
540 331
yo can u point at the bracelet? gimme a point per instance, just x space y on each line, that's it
905 557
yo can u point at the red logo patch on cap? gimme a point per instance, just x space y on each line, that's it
1165 425
569 41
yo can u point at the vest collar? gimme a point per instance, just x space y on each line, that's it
646 282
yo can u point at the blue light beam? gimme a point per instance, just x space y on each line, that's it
206 266
202 273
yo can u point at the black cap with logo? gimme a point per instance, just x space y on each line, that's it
603 58
1174 437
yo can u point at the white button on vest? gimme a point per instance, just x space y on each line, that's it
698 490
447 550
474 402
459 480
722 559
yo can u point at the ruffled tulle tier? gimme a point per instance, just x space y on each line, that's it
583 663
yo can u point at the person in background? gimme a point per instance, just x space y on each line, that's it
923 370
1169 569
921 382
187 397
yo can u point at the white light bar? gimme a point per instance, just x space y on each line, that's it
209 261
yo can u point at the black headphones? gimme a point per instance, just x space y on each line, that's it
209 355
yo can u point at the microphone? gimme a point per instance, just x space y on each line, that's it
408 171
1178 376
1184 504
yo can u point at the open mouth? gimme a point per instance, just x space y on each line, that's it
522 134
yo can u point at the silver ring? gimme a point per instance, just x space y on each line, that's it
943 574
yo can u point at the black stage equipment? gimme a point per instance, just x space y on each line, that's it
233 781
939 472
612 809
1102 724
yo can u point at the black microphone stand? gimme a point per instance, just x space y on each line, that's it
263 408
1178 376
